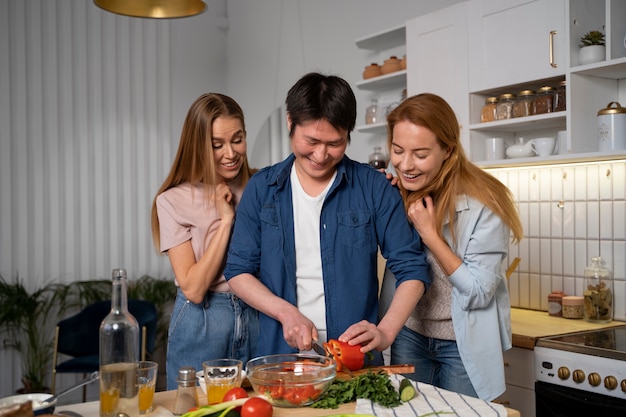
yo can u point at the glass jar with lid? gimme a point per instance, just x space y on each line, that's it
559 97
504 108
544 99
598 293
524 104
488 112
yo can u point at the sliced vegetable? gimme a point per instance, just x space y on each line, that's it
345 355
407 390
220 409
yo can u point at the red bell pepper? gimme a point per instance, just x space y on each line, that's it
345 355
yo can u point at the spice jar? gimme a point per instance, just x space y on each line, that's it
598 292
524 104
372 70
559 97
186 394
504 108
572 307
544 99
391 65
488 112
555 303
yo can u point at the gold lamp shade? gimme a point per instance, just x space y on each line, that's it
156 9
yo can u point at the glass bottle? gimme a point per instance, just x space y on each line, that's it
488 112
119 355
524 104
186 394
377 159
504 108
372 114
598 293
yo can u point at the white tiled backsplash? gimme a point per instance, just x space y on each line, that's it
570 214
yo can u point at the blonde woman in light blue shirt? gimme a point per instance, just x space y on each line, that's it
466 218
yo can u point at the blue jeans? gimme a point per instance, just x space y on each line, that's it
437 362
222 326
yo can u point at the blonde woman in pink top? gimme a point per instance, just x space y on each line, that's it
192 218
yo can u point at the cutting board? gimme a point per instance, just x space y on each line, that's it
529 325
390 369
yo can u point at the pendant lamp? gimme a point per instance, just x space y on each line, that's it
156 9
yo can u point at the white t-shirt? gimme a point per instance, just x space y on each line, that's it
309 277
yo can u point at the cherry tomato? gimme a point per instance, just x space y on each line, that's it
257 407
234 394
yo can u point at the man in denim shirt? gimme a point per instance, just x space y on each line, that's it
307 232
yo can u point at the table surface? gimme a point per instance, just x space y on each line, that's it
164 401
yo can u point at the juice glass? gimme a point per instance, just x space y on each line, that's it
220 375
146 383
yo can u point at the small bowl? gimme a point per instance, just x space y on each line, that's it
291 380
202 381
35 398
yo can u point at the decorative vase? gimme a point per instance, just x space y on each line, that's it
590 54
391 65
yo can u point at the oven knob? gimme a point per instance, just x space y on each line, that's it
594 379
623 385
563 373
610 382
578 376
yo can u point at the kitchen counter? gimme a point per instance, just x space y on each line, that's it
164 401
529 325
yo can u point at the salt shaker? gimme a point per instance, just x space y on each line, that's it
186 394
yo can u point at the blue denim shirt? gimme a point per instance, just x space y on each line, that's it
361 213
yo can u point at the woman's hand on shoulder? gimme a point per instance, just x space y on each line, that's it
393 180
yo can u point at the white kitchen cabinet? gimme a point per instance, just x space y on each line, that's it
519 367
513 41
386 88
437 48
589 87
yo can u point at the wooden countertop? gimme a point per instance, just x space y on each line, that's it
529 325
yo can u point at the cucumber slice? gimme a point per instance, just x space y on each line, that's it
407 390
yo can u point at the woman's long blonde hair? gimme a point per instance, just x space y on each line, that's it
457 175
194 161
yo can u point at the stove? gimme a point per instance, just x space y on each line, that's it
589 366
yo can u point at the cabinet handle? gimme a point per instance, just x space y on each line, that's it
551 38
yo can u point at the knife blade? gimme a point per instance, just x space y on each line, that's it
318 349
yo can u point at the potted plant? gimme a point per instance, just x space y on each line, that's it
28 320
592 48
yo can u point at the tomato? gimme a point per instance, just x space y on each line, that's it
257 407
234 394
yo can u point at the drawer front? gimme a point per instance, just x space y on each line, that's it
519 367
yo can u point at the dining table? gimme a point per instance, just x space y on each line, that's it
164 402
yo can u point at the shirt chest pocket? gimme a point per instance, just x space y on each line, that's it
270 230
354 228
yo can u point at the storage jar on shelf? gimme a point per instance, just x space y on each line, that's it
524 104
504 108
559 97
372 113
372 70
391 65
544 99
612 127
488 112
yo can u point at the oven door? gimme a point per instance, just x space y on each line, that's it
557 401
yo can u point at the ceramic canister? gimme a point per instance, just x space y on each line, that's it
612 127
